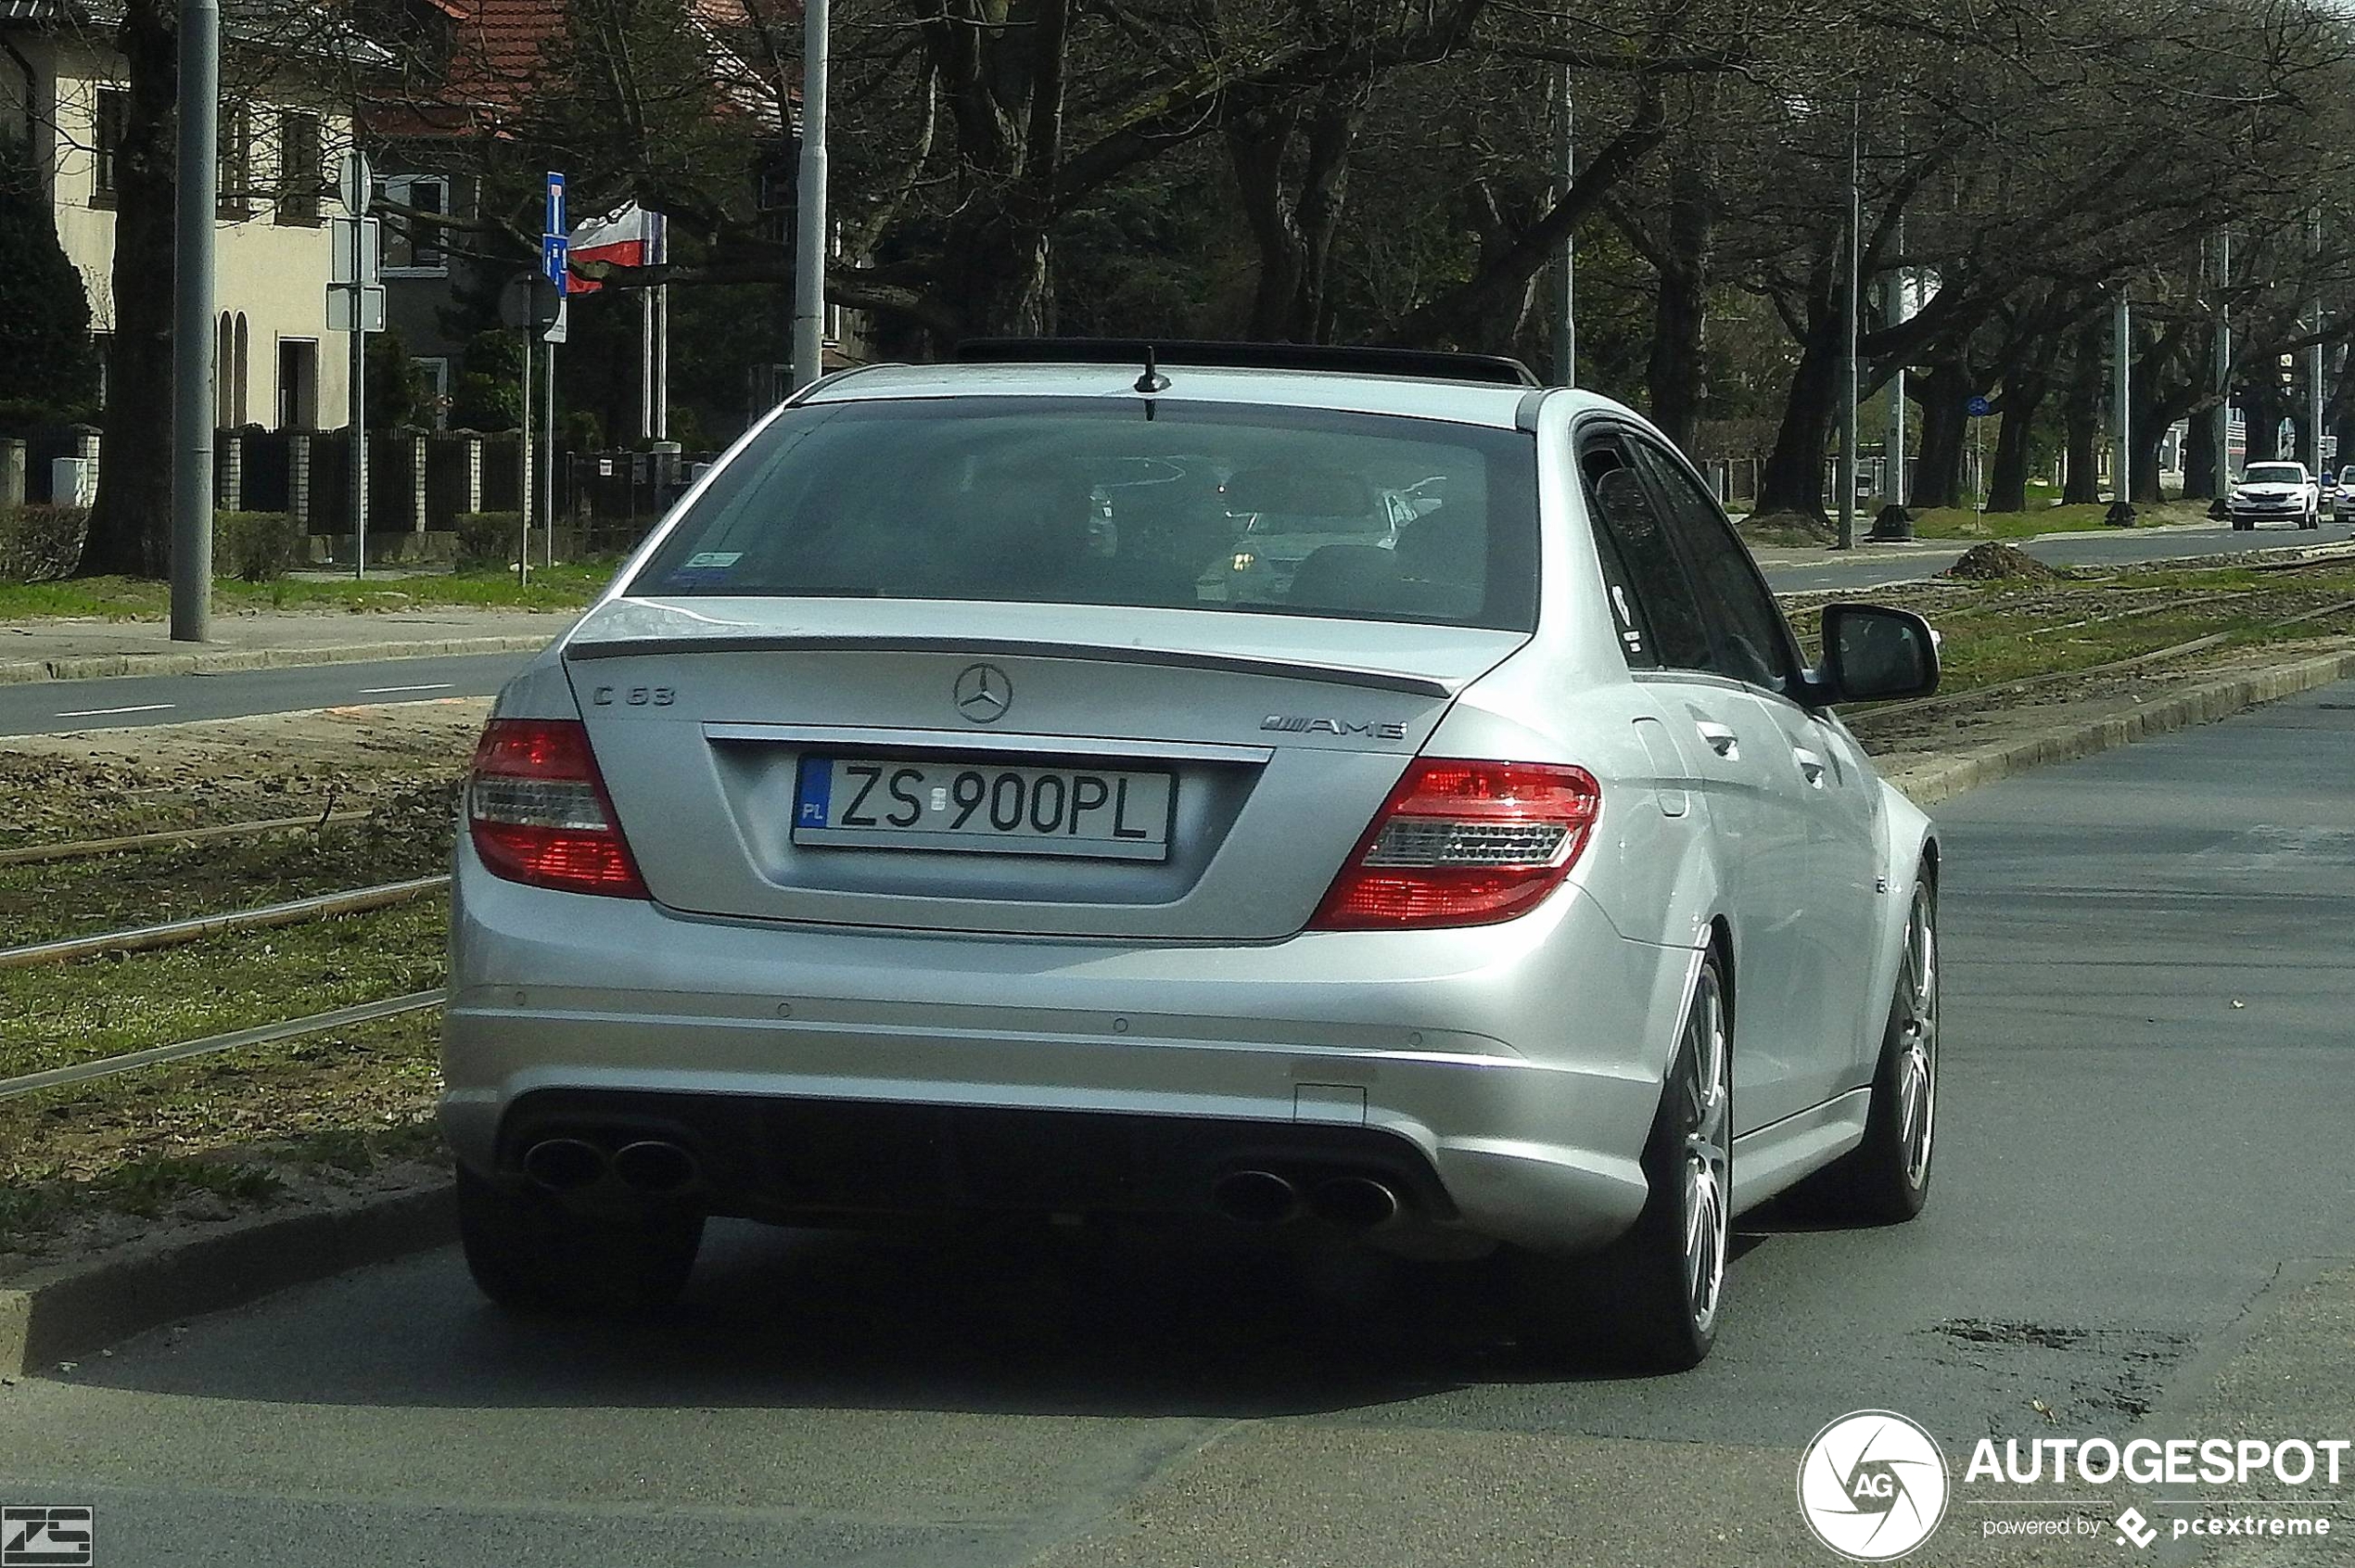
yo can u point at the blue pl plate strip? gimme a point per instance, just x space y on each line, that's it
813 793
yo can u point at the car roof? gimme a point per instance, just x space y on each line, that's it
1416 397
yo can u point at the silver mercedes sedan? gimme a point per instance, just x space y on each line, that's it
935 821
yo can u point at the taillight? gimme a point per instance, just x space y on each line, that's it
1463 844
539 813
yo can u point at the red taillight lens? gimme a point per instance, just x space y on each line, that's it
1463 844
539 813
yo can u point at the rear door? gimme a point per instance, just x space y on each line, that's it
1822 857
1731 746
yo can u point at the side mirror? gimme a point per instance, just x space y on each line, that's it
1876 655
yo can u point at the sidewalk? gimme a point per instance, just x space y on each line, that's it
82 649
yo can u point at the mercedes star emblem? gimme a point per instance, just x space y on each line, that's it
984 694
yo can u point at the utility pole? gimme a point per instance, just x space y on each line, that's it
1566 277
192 322
2122 392
2223 362
2314 370
1893 465
809 205
1847 365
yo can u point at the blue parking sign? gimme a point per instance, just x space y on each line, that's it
1979 407
554 252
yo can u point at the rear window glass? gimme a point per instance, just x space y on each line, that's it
1085 501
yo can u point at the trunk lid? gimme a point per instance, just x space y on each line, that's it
1276 738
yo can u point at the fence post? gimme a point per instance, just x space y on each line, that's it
299 480
418 478
231 490
474 476
11 472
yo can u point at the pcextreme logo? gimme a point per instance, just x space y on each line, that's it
1872 1486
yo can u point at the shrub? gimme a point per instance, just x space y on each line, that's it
488 538
254 547
38 544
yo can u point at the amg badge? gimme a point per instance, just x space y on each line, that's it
1378 729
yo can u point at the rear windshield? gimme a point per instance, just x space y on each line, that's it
1095 501
2273 474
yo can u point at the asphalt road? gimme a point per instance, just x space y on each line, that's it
2149 1072
1903 563
37 708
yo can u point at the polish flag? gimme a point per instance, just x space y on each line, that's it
632 238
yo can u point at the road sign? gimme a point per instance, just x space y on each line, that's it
371 303
554 253
356 243
1979 407
355 183
555 223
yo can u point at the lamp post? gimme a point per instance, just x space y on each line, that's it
192 324
809 202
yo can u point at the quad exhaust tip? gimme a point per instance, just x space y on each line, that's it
1353 1203
655 1167
1256 1197
564 1164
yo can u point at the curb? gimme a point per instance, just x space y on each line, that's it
66 1311
69 1309
1942 778
92 667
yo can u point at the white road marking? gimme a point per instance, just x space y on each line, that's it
381 691
100 712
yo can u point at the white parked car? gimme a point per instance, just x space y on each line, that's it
2276 493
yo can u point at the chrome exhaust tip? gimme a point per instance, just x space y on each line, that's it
1256 1197
564 1164
655 1167
1353 1203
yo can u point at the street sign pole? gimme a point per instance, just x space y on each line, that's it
555 245
523 466
192 327
350 292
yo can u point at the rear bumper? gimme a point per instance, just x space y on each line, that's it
1506 1076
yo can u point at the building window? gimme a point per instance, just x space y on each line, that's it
412 248
302 168
298 384
113 113
235 193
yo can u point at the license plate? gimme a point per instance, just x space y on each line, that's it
904 803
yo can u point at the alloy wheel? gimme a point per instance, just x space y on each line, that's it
1707 1113
1917 1042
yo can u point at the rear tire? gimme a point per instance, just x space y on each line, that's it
1652 1299
529 1253
1885 1180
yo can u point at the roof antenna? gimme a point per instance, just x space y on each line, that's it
1152 380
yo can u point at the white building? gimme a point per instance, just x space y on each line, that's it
63 89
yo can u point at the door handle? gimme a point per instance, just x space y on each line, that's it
1722 740
1810 765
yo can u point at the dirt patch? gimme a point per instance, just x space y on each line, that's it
2001 563
101 782
1784 528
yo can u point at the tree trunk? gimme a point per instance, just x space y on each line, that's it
1292 301
2081 417
2261 413
1794 477
2199 459
1680 317
1946 397
2007 485
130 520
995 275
